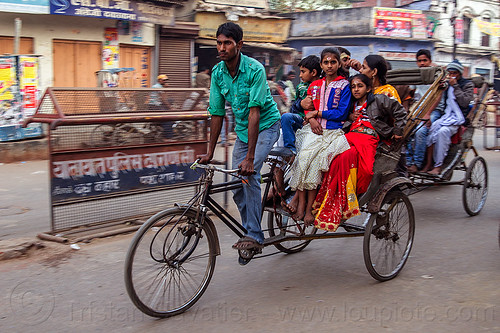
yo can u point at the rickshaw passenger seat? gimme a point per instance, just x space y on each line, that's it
281 151
457 137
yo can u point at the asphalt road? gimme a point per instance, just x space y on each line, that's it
450 282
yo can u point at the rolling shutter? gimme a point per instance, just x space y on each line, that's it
175 61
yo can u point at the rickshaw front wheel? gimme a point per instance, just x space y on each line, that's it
475 188
388 236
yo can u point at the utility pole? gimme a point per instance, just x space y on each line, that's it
453 21
17 34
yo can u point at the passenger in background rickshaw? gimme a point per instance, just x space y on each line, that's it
416 148
455 105
350 173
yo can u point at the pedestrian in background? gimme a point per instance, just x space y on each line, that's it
203 78
158 101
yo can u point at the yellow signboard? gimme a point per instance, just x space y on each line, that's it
270 30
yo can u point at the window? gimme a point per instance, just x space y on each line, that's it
485 39
467 23
484 73
7 45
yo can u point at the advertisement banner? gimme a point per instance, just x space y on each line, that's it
488 28
29 85
10 106
459 31
110 49
25 6
115 9
395 22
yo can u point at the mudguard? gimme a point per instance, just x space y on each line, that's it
375 203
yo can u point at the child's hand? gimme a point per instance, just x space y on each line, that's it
307 103
316 127
396 137
310 115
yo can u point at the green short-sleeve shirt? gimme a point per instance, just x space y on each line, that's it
247 89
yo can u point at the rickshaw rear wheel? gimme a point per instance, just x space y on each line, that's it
282 225
475 188
170 262
388 236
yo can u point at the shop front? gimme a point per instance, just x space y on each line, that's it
76 39
263 36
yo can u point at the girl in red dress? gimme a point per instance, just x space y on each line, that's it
350 173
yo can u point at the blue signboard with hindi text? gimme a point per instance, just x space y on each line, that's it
96 174
127 10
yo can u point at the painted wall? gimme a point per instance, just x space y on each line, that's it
361 47
343 22
418 5
45 28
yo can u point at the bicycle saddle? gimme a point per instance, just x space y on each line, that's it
281 151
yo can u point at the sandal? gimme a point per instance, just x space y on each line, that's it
247 243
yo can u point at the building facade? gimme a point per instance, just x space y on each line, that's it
364 31
74 40
474 48
264 34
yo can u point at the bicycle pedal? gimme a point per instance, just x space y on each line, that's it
243 261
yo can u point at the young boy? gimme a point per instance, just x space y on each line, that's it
290 122
310 70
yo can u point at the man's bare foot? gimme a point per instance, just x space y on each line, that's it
426 168
271 193
435 171
308 219
291 207
412 169
301 205
299 214
279 180
288 207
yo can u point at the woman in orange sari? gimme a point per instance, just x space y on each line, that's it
350 173
375 67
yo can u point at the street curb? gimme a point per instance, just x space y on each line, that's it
24 150
18 250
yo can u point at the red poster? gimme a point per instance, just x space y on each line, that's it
30 97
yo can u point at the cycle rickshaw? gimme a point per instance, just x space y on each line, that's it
171 259
475 180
